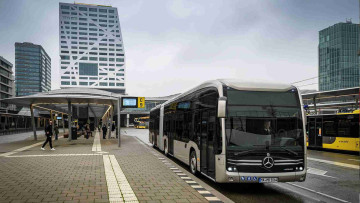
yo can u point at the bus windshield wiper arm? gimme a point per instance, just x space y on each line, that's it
244 152
289 150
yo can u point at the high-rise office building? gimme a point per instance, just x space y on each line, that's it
7 82
32 69
338 60
91 47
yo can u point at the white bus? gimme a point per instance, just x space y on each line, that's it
234 131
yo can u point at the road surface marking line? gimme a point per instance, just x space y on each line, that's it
21 149
212 198
320 193
121 178
204 192
335 163
97 144
318 172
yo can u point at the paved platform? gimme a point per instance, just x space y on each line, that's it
95 170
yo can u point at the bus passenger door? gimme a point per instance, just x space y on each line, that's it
211 143
319 132
203 141
312 132
207 160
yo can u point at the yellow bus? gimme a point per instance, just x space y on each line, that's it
142 122
337 131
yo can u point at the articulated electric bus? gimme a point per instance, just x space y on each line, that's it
232 131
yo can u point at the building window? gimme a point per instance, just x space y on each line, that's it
82 8
65 83
103 84
88 69
65 7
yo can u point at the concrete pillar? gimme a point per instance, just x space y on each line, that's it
33 121
127 120
63 122
69 119
111 119
52 120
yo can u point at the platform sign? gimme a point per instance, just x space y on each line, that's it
141 102
133 102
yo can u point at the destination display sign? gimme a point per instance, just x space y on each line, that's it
133 102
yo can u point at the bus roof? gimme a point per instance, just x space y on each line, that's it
236 84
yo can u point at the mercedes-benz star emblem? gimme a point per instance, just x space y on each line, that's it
268 162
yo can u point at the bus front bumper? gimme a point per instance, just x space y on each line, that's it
238 177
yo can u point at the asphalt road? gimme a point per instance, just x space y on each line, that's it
331 177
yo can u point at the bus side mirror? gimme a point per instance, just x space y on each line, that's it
222 107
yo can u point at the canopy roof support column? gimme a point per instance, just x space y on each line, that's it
52 120
33 121
111 120
69 119
63 121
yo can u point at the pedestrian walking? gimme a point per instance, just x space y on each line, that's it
104 129
48 134
56 129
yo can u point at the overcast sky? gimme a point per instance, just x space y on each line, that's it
172 46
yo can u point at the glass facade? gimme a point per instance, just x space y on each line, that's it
6 82
338 59
32 69
91 47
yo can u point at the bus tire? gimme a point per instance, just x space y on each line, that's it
193 162
166 151
153 142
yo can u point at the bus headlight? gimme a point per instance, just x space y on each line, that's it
301 168
232 169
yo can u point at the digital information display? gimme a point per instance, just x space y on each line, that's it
59 118
129 102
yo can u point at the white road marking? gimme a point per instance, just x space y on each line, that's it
21 149
320 193
97 144
204 192
118 187
318 172
52 155
212 198
335 163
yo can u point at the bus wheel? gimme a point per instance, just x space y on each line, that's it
193 162
166 151
153 142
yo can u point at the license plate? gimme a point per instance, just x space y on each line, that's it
268 180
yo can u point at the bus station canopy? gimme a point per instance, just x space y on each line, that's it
348 97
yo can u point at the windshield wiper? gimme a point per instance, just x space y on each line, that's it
244 152
289 150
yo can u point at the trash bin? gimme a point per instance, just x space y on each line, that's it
73 133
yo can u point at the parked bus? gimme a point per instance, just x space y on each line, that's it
336 131
142 122
232 131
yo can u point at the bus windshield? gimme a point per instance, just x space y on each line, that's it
270 121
